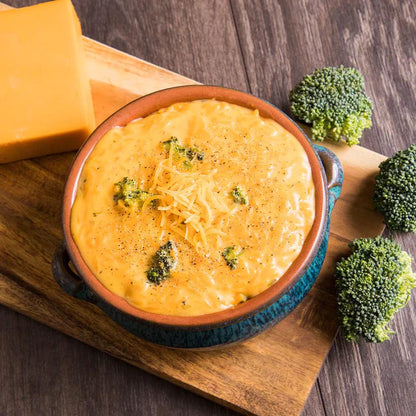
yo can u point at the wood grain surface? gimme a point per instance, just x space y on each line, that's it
260 46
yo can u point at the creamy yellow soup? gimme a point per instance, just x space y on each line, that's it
192 205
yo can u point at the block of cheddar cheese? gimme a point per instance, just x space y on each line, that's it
45 96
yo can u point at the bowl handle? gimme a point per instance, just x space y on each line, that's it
69 281
333 171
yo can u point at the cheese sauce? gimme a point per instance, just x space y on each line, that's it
194 207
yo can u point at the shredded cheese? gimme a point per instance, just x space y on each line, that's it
190 203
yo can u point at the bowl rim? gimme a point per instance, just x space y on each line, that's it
148 104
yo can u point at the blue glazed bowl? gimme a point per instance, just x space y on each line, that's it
234 324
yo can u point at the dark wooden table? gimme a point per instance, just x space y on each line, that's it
263 47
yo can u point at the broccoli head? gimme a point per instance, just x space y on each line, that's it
127 192
186 154
334 101
239 195
164 260
231 256
395 190
372 284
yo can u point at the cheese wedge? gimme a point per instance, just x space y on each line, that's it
45 96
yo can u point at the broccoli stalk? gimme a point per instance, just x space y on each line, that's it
187 154
239 195
127 192
395 190
163 261
334 101
372 284
231 256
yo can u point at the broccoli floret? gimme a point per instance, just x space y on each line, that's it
395 190
126 191
334 101
162 263
372 284
231 256
186 154
239 195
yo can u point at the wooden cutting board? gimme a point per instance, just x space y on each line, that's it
269 375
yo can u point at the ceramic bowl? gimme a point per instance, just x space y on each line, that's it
231 325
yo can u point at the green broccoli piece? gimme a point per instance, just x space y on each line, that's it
231 256
372 284
395 190
186 154
126 191
334 101
162 263
239 195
